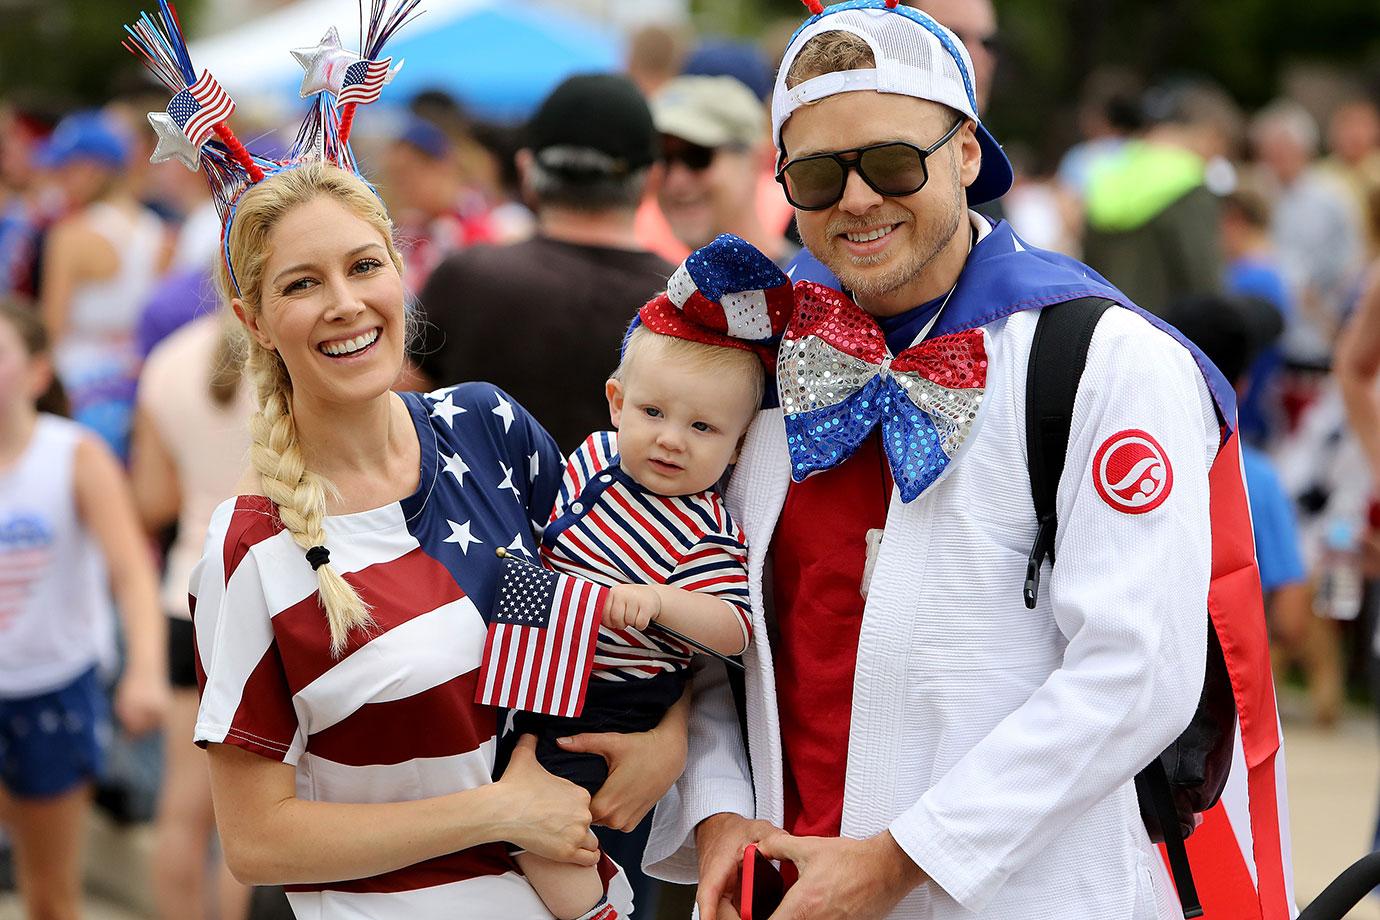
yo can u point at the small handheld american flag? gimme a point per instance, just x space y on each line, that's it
540 648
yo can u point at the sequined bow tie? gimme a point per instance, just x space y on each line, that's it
838 380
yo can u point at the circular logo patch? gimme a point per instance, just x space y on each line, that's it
1132 472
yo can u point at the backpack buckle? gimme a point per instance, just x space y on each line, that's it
1042 550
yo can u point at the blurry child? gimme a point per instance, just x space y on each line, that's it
639 511
68 533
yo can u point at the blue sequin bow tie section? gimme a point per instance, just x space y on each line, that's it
838 381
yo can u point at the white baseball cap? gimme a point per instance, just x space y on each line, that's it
915 56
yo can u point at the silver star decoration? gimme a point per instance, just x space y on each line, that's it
508 483
504 410
518 545
447 409
460 535
533 466
456 467
325 65
172 143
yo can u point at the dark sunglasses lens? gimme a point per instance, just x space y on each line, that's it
814 182
895 169
692 156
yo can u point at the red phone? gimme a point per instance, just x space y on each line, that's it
762 886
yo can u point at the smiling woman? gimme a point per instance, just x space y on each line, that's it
325 317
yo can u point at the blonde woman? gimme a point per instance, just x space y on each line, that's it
340 607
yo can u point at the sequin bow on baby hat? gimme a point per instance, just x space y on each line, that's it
727 293
838 381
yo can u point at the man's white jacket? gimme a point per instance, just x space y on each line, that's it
997 743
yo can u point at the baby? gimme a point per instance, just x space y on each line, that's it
638 511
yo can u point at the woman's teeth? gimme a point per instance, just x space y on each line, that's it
350 346
870 235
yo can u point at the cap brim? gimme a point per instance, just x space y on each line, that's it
690 125
995 177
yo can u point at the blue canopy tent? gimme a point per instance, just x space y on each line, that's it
500 59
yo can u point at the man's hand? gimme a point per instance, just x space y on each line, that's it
634 606
841 878
720 840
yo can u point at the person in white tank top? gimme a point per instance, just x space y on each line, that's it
100 265
68 536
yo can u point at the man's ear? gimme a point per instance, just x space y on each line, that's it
250 322
613 389
970 154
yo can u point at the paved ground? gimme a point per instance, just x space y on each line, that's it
1334 778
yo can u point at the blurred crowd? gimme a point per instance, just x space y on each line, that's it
529 248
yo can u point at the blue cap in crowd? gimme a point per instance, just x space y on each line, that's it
90 135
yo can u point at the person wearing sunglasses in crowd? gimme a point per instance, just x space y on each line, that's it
713 131
918 741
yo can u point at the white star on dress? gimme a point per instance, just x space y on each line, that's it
447 409
457 467
504 410
533 466
519 546
325 65
460 535
507 482
173 143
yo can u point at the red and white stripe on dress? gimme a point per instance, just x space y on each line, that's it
607 528
393 718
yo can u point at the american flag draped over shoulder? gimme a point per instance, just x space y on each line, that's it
540 647
200 107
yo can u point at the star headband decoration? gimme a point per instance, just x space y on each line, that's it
194 127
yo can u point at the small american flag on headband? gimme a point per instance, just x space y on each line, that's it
540 648
200 107
364 82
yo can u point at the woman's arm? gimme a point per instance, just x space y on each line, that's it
271 837
1357 364
152 474
107 511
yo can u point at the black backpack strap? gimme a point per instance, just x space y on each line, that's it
1153 784
1057 356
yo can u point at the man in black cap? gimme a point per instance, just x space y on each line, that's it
543 319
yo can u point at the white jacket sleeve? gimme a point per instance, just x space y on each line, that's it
1128 592
716 778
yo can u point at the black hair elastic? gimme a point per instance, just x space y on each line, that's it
318 556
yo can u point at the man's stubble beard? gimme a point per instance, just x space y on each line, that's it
918 257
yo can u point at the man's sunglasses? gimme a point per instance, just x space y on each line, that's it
894 169
692 156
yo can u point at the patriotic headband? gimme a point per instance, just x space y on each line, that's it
727 294
194 127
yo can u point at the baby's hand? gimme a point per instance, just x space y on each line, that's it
632 606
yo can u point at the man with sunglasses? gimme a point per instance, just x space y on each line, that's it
713 131
920 741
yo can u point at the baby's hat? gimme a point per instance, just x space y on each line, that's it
727 293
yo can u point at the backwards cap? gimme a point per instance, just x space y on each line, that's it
915 56
195 129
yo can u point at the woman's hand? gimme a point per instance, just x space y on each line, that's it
631 606
545 814
142 699
642 766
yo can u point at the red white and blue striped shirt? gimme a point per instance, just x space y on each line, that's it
393 718
609 529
